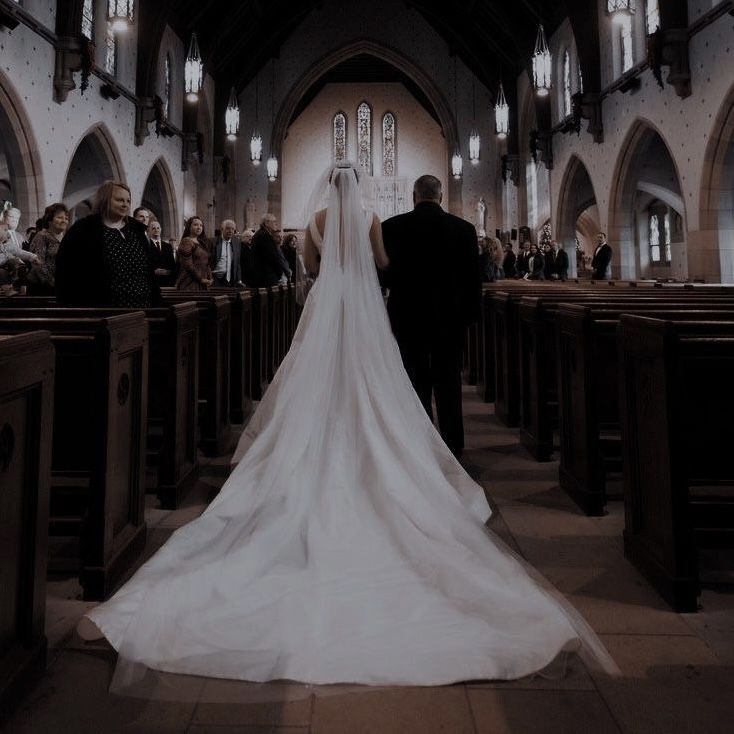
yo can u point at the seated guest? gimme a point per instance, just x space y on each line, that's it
271 267
194 273
162 252
290 252
45 245
508 262
14 260
556 263
536 264
104 259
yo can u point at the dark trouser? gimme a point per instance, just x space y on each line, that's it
434 367
220 281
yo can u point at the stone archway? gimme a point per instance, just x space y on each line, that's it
95 160
160 198
427 85
645 166
21 176
712 252
577 214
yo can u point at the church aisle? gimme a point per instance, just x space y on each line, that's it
676 667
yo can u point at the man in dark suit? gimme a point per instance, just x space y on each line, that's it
556 263
269 264
248 259
509 262
226 251
523 255
602 258
164 263
435 293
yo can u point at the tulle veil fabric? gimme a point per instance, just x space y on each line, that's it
348 545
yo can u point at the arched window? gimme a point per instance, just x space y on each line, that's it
566 84
659 218
654 238
88 19
532 192
340 137
652 16
389 144
364 137
110 59
581 79
625 43
167 86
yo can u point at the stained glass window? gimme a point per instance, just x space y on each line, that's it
566 84
340 137
667 236
654 238
625 36
110 61
652 16
388 144
364 137
581 79
88 19
167 86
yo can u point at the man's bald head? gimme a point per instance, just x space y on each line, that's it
427 188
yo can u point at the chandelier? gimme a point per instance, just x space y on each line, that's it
272 166
501 114
120 14
618 9
256 148
193 71
542 65
232 116
475 143
457 164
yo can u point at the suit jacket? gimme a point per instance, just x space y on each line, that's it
216 253
434 275
601 261
82 277
247 264
557 265
538 271
268 261
508 264
521 265
163 258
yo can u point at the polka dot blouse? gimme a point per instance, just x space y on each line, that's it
126 255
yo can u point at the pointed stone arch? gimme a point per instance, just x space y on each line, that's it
714 244
159 196
425 83
643 146
22 174
576 211
96 159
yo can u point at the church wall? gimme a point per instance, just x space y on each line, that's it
308 147
330 27
27 61
685 126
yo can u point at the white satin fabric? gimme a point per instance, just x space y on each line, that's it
348 545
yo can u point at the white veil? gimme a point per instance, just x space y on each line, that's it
348 545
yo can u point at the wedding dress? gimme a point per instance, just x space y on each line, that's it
348 545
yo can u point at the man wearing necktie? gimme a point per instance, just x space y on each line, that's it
226 252
164 263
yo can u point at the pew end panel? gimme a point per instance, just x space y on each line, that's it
26 417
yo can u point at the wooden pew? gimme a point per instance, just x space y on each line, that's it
676 410
589 390
214 365
172 379
98 468
260 333
26 418
274 327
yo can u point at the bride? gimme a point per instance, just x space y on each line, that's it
348 545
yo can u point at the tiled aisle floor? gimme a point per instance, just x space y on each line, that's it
678 669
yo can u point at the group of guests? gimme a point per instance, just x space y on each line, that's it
115 258
533 262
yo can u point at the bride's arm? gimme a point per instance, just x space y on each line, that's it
378 247
310 254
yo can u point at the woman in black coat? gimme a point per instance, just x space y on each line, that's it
104 259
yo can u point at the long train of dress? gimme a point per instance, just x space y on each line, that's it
348 545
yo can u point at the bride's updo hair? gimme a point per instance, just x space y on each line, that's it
344 165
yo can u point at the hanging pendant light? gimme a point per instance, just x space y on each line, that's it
542 65
457 164
120 14
619 9
501 114
232 116
272 166
475 143
256 141
193 71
